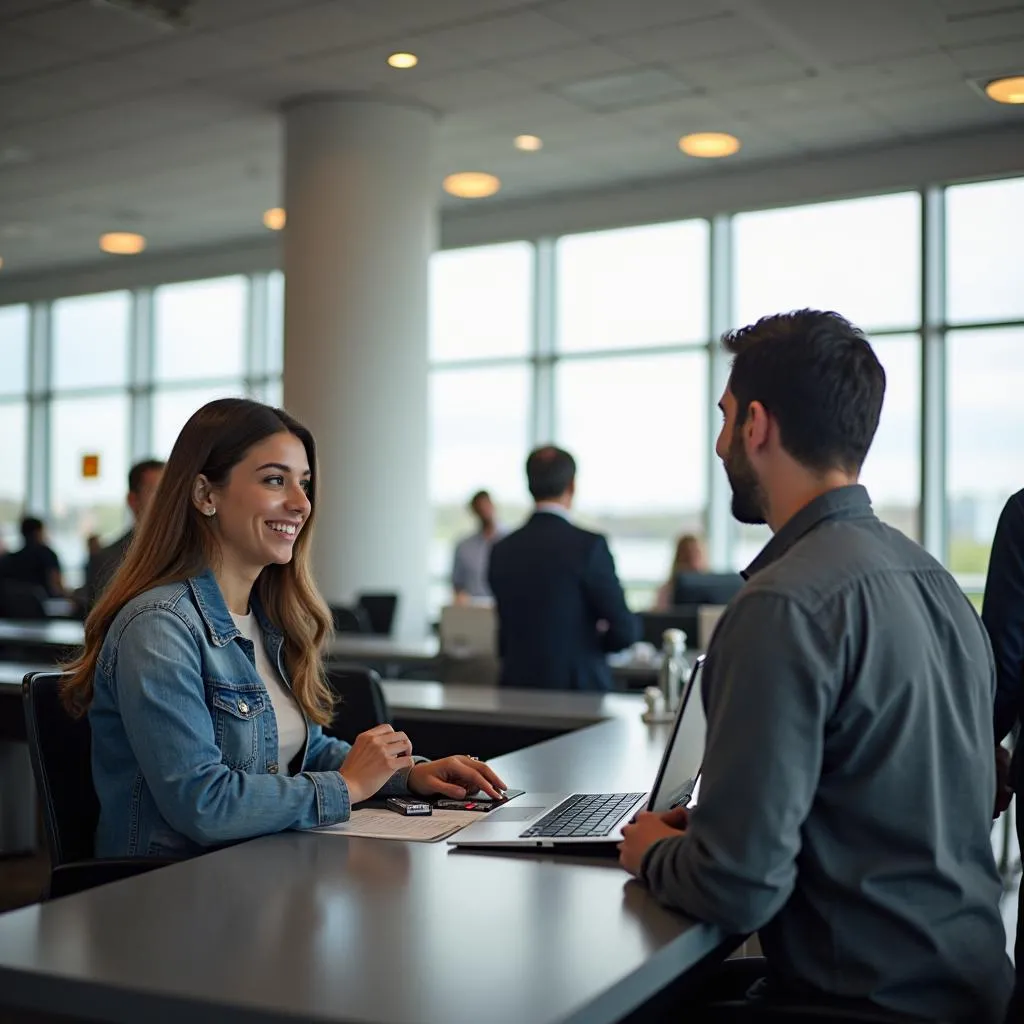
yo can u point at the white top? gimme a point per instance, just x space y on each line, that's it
291 725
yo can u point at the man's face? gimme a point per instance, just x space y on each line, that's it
483 509
747 493
139 501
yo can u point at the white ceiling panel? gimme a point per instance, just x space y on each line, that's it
180 132
612 17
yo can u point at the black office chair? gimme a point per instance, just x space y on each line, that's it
654 624
60 749
22 601
348 619
360 702
380 611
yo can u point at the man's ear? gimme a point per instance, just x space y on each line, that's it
757 426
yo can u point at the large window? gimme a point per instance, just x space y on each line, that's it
13 350
859 257
638 428
481 302
633 288
14 322
90 341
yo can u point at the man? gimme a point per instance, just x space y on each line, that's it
846 793
1003 615
472 553
143 480
35 563
560 605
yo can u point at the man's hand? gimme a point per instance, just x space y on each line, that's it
456 777
644 832
1004 791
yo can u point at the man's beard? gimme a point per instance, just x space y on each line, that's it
747 494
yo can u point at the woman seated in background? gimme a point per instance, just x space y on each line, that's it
690 556
202 672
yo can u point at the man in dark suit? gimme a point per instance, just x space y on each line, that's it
143 479
561 609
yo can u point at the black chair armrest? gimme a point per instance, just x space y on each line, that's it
85 874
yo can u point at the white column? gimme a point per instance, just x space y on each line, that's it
361 204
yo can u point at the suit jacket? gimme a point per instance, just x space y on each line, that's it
100 569
553 582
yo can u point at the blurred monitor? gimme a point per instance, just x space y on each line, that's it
469 631
705 587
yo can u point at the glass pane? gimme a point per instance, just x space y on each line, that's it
984 264
481 302
985 457
14 350
859 257
275 322
171 409
637 427
479 440
90 340
633 287
892 470
200 329
14 472
83 505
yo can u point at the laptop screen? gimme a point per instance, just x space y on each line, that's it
680 764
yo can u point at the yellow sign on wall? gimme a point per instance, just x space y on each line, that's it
90 466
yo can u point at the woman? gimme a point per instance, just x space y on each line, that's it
689 557
202 669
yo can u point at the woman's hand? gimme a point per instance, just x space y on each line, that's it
375 756
456 776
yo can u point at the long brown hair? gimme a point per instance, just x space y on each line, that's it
174 541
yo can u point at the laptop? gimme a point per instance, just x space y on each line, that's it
580 819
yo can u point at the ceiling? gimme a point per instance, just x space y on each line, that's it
109 121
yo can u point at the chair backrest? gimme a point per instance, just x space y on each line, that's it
469 631
60 749
380 611
360 703
705 587
22 600
348 619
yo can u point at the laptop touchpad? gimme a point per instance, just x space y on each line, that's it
514 813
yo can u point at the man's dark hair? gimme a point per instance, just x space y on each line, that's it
549 472
31 529
139 470
479 496
818 376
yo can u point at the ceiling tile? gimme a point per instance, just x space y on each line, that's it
463 90
699 40
305 30
401 16
24 55
568 64
997 57
999 21
610 17
761 67
89 29
510 35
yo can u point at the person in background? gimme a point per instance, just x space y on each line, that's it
202 672
561 608
473 553
143 479
35 563
93 545
690 556
1003 615
848 780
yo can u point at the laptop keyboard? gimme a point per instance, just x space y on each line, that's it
582 814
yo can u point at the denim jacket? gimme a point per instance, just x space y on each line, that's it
184 736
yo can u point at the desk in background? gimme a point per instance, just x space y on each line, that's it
301 926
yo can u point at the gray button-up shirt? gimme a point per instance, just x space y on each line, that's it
848 784
472 558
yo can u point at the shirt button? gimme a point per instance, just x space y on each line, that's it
243 707
272 769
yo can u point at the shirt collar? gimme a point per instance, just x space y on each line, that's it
214 610
850 502
554 508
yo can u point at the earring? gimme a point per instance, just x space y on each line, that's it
209 511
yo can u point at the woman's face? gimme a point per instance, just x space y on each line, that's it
264 504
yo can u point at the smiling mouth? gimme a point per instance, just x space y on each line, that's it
285 529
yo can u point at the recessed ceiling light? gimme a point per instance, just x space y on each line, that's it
122 243
527 143
1006 90
709 144
403 60
275 218
471 184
